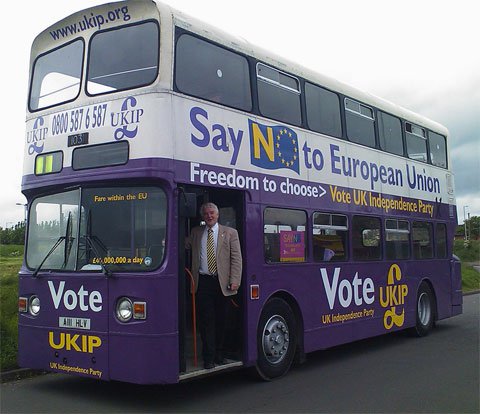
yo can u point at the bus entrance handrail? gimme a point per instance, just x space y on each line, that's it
194 316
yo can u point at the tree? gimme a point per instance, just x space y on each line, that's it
473 228
13 235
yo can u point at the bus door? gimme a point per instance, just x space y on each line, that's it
231 213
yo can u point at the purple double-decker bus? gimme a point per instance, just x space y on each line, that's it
137 114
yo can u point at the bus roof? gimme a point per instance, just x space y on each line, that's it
242 45
86 22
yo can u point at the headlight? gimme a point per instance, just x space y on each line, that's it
34 305
124 309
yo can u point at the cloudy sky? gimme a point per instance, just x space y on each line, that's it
422 55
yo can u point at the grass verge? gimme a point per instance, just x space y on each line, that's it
11 257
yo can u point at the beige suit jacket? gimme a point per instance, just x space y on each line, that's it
229 256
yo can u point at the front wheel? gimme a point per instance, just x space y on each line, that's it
276 339
425 317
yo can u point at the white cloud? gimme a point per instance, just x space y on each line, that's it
421 55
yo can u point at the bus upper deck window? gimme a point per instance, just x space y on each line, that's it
123 58
416 140
56 76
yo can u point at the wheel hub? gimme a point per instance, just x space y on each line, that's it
275 339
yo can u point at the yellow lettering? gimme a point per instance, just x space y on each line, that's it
71 342
53 344
259 139
93 342
392 296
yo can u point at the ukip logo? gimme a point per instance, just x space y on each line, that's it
36 137
127 119
273 147
392 297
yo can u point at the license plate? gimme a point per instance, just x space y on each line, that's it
73 323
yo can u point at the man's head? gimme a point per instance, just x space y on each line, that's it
209 213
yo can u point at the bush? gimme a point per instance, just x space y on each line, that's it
469 253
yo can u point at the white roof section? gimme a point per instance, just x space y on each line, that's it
169 18
243 46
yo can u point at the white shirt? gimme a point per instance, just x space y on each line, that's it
203 248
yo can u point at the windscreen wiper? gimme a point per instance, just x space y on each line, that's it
106 271
91 243
68 241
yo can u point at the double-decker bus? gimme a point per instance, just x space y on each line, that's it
137 114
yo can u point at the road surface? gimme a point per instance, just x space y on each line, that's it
390 374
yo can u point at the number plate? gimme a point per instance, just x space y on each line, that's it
73 323
78 139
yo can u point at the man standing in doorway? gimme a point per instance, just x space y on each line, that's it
217 272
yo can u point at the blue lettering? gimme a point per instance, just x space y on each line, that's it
353 167
219 141
127 116
236 142
334 159
306 151
219 138
317 158
423 182
199 142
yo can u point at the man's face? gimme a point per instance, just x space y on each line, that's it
210 216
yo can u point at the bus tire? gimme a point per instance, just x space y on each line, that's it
276 339
425 311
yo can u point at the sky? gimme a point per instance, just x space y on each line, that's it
422 55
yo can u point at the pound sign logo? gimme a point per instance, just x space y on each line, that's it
127 117
393 296
36 137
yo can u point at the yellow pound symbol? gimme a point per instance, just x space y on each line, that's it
394 296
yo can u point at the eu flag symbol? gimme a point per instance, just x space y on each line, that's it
273 147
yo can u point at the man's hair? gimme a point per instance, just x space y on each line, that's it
207 205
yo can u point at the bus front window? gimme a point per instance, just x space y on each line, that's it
56 76
115 229
53 224
123 58
122 228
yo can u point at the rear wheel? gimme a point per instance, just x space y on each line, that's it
276 339
425 318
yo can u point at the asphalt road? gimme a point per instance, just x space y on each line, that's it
389 374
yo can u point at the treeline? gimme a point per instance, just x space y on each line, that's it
471 226
13 235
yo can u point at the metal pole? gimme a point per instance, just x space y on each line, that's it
466 242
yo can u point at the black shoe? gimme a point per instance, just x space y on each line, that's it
208 365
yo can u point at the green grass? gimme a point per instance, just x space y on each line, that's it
470 278
468 254
11 257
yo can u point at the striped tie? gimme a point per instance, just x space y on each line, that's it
211 260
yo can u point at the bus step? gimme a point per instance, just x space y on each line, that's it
201 371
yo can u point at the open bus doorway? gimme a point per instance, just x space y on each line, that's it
230 204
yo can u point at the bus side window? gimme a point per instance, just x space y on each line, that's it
397 239
211 72
284 237
366 238
271 247
422 240
330 233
